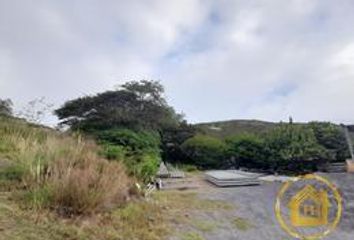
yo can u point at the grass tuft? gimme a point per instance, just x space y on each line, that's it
57 171
242 224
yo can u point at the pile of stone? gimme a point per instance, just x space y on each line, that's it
228 178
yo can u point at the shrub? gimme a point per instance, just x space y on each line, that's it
205 151
139 151
135 142
247 150
294 148
113 152
331 137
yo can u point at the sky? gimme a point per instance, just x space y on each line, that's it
218 60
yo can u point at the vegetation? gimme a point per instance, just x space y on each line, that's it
226 129
285 147
129 122
139 151
294 148
137 126
242 224
247 150
5 107
331 137
172 139
58 172
135 105
204 151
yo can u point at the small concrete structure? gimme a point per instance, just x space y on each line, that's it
279 178
228 178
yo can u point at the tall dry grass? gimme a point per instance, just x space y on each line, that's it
60 172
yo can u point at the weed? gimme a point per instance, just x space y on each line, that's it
204 226
241 224
192 236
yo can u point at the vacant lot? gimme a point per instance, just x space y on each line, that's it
253 216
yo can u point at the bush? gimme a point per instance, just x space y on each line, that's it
247 150
204 151
135 142
113 152
294 148
139 151
331 137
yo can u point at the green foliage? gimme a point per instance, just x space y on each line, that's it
113 152
6 107
144 166
172 140
127 122
247 150
295 148
188 167
136 105
205 151
13 172
39 197
140 151
134 141
225 129
331 137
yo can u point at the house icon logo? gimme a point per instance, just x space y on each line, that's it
308 207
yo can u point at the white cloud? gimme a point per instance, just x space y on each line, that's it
218 60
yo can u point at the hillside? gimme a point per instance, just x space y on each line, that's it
222 129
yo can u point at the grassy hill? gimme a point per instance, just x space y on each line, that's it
224 129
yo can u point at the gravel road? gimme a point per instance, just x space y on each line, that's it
255 205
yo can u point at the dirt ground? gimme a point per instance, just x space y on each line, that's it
253 217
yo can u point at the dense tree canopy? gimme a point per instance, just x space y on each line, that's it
205 151
171 142
331 137
295 148
135 105
5 107
247 150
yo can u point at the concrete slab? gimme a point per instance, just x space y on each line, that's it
226 178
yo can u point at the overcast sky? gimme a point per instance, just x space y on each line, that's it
217 59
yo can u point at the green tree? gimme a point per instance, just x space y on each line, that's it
172 139
6 107
331 137
139 151
204 151
136 105
248 150
294 148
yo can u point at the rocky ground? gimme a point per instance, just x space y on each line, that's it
253 217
